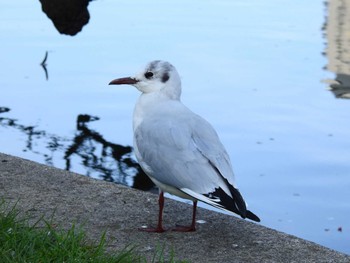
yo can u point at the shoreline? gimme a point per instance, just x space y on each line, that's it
102 206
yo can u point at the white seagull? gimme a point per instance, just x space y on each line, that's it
179 150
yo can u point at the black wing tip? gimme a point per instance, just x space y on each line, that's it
252 216
234 203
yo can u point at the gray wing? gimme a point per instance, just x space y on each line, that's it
184 152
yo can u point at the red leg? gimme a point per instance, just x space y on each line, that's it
159 228
192 227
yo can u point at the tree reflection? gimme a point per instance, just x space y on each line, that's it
68 16
87 150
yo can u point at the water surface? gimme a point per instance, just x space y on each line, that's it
258 71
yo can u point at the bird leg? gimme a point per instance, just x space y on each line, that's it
159 228
191 227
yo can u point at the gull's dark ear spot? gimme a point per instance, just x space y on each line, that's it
165 77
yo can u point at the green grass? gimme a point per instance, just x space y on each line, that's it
24 242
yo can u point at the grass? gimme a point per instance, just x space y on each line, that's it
24 242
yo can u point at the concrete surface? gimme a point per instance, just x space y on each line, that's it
120 211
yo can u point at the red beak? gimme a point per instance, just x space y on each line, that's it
121 81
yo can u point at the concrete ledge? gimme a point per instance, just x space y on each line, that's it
100 206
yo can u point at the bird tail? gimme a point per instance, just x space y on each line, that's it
252 216
222 200
239 207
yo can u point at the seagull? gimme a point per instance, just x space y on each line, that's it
179 150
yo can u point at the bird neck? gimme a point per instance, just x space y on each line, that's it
173 89
148 104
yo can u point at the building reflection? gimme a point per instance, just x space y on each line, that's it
87 152
337 34
68 16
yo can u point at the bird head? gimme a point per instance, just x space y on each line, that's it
158 76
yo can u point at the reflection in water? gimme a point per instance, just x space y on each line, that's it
29 131
4 109
68 16
341 88
337 28
98 157
43 64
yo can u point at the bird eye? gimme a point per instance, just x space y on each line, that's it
148 75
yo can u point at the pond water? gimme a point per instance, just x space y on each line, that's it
273 77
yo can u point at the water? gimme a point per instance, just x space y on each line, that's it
258 71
